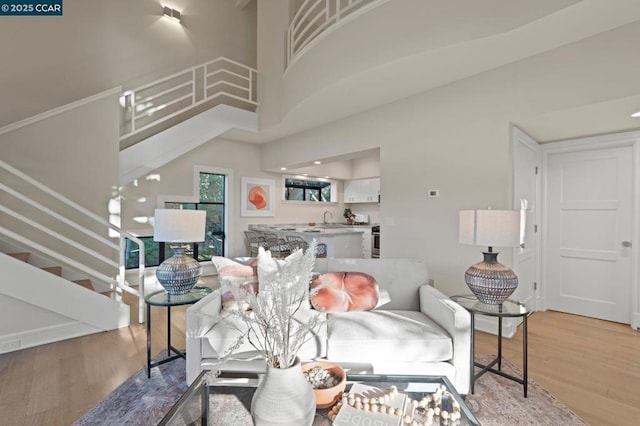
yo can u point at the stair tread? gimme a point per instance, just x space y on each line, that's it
20 256
56 270
86 283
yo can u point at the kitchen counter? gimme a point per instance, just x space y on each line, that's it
341 240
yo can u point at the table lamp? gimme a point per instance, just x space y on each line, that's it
490 281
179 273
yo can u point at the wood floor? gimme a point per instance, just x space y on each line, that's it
592 366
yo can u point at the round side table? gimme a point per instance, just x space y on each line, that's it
508 309
162 298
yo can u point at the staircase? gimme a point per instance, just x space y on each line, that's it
49 251
169 117
63 266
51 306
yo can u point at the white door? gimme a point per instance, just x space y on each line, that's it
589 233
525 188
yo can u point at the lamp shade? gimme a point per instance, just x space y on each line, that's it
492 228
179 226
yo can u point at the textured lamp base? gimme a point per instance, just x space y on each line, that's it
180 273
490 281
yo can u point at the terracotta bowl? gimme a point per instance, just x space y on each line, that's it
327 397
311 224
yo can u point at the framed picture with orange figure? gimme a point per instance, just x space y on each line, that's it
257 197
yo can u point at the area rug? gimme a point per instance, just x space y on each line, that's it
496 401
141 400
500 401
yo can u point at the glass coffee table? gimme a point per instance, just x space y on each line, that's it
226 400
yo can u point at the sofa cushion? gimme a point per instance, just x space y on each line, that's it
224 334
386 336
345 291
234 276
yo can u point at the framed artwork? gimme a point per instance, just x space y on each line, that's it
257 197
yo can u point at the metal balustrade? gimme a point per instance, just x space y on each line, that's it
117 282
314 18
220 79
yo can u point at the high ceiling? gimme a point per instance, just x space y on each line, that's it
440 43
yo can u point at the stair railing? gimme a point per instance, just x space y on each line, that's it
118 284
164 99
315 17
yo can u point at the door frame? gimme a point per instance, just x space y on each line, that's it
520 137
616 140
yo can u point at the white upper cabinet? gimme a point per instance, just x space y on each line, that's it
362 190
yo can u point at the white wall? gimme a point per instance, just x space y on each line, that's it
456 139
98 44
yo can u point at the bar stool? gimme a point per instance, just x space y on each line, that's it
277 246
254 241
296 242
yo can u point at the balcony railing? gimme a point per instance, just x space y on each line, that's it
314 17
220 79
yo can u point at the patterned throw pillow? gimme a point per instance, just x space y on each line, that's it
345 291
232 274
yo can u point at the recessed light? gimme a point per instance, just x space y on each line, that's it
635 114
317 162
326 177
305 174
283 168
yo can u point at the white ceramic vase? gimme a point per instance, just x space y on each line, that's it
283 398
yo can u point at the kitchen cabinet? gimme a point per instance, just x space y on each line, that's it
362 190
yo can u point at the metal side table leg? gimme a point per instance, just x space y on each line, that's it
524 354
473 368
148 341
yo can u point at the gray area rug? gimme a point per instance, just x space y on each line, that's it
140 400
496 401
500 401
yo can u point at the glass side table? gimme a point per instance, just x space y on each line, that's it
162 298
508 309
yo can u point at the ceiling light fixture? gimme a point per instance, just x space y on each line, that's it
172 14
317 162
283 168
636 114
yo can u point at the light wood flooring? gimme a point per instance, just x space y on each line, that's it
592 366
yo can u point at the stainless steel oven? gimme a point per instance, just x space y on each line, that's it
375 241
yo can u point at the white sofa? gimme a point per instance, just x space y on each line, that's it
420 331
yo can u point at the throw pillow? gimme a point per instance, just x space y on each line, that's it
269 268
235 276
345 291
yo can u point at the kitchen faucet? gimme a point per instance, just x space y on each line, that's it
324 216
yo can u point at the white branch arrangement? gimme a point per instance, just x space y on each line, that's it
271 326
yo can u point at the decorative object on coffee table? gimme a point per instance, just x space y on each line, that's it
283 397
328 381
489 280
179 273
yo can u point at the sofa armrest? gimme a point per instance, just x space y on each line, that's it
457 322
200 318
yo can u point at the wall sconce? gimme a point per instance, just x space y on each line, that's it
172 14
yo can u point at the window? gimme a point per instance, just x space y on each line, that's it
300 188
212 200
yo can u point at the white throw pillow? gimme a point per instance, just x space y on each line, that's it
269 270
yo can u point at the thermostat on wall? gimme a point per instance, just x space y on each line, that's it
433 193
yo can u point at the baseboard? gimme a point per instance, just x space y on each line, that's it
490 325
28 339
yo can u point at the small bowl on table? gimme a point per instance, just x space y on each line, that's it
327 396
